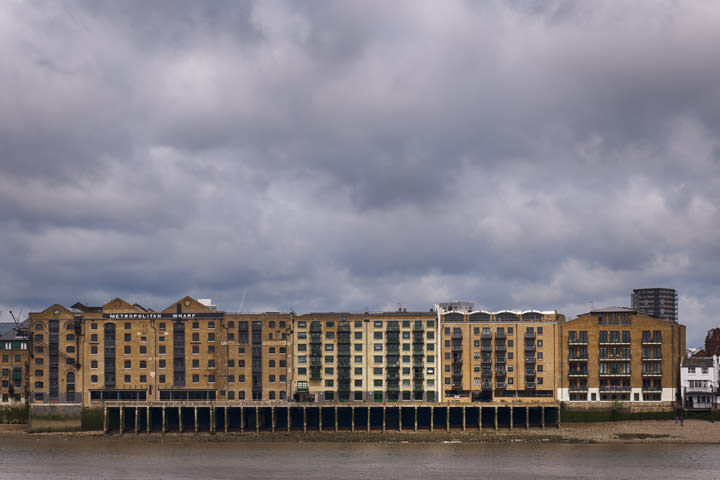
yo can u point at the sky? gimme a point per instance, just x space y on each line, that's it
360 156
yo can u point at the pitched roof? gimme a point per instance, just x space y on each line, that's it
697 362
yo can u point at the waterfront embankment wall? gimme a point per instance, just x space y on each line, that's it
55 418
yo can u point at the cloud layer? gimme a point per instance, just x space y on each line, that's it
353 156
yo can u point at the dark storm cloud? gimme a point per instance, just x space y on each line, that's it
352 156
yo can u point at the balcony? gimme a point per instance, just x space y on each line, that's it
392 350
578 358
457 348
578 373
393 328
577 341
615 388
614 374
486 385
652 358
486 348
457 386
652 389
500 335
418 328
500 371
705 389
529 359
500 385
529 334
417 351
457 336
651 340
530 385
652 373
393 339
418 376
500 348
578 388
486 335
615 359
530 348
500 360
530 372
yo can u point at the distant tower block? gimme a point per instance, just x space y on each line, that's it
661 303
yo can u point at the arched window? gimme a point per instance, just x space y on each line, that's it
70 386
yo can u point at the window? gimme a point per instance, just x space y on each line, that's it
377 358
211 337
161 363
539 343
378 335
241 363
358 335
143 350
283 379
143 378
93 326
241 378
329 347
377 347
127 325
302 347
358 347
358 383
195 325
93 349
377 324
127 349
127 364
161 325
93 364
241 395
377 371
271 378
329 335
161 349
302 325
211 363
329 383
70 349
358 359
196 349
161 378
196 337
127 337
539 330
329 359
196 363
93 378
38 373
126 379
377 383
94 337
271 350
70 337
196 378
231 363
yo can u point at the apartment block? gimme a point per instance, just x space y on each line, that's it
375 357
619 354
505 355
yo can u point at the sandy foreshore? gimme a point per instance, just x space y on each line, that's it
646 431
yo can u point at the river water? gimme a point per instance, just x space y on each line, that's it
41 457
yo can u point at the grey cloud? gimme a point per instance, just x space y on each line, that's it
352 156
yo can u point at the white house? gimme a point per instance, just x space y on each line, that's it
699 382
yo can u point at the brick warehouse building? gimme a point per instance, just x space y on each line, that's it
188 351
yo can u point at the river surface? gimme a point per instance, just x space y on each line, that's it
41 457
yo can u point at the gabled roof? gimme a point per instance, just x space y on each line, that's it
697 362
118 305
189 305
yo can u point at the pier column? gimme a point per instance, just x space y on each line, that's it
527 418
511 417
106 427
195 420
558 416
479 419
383 419
122 420
163 428
227 415
212 419
352 419
272 413
242 419
447 418
180 425
289 419
542 417
496 418
257 419
137 420
336 418
399 418
368 418
416 418
464 418
320 419
148 423
304 418
432 418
